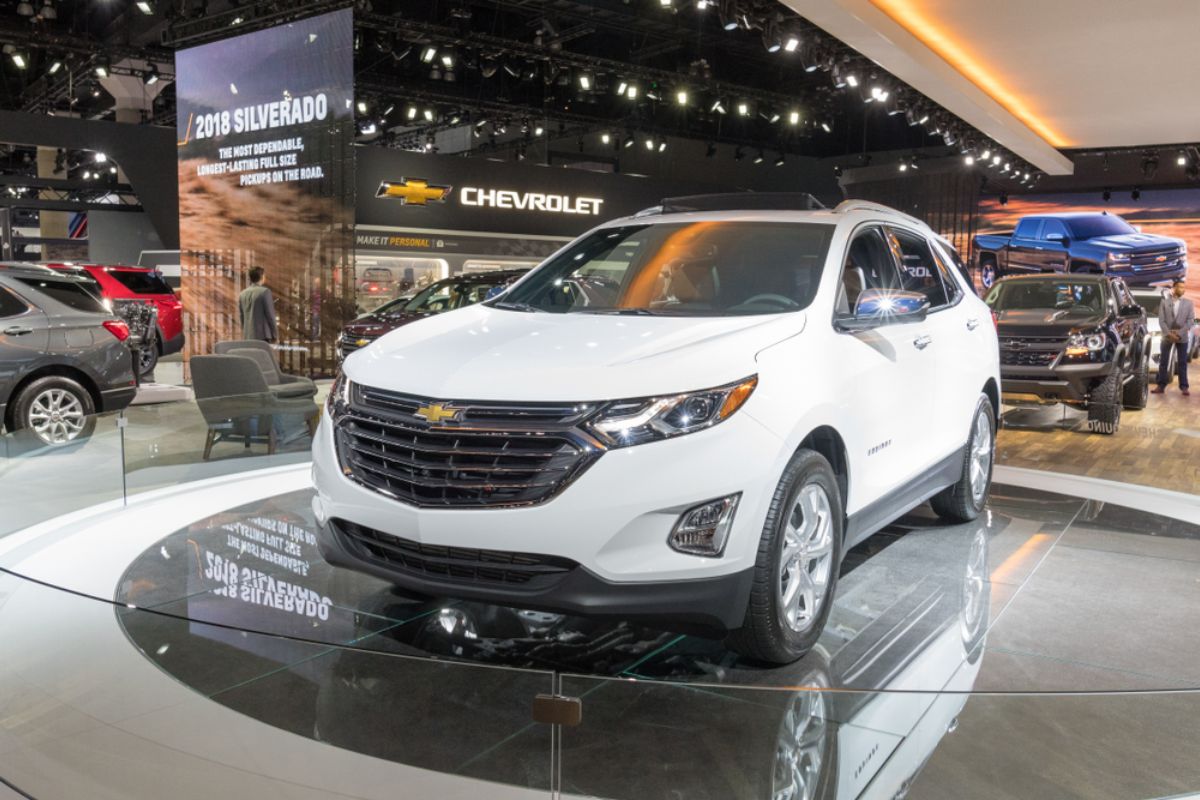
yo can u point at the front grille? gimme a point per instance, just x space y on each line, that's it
1030 351
494 454
350 341
1150 260
463 564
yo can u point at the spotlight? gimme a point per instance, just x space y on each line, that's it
18 59
717 106
586 81
24 9
758 159
837 171
631 92
362 106
681 97
996 160
448 59
55 66
512 69
428 54
87 175
825 127
903 166
1181 159
151 76
727 10
779 161
488 67
410 113
969 159
429 115
793 118
145 6
605 138
100 158
48 11
539 130
102 69
622 87
771 40
702 5
628 143
649 144
662 145
791 43
743 108
852 80
1006 167
913 163
923 119
985 155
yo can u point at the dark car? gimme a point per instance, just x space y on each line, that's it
63 356
1075 339
444 295
1081 242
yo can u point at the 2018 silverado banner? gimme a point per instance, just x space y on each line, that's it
266 132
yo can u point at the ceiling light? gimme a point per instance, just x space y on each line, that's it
904 166
100 158
410 112
539 130
985 155
743 108
913 163
779 161
996 161
368 130
728 13
924 118
681 97
969 159
512 69
649 144
150 77
792 43
102 70
48 11
238 20
662 145
622 87
718 106
429 115
605 138
55 66
701 5
758 159
1181 160
631 91
585 81
628 142
18 58
793 117
428 54
24 9
825 127
362 106
112 170
852 80
448 59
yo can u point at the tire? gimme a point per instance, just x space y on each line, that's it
988 272
54 409
769 632
963 500
148 358
1136 392
1104 405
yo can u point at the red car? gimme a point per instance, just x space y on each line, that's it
139 283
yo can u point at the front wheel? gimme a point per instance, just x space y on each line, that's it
796 571
1104 404
963 500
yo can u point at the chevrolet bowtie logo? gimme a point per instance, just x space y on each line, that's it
413 191
437 413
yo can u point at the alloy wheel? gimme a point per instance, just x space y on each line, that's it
800 749
981 458
806 564
56 416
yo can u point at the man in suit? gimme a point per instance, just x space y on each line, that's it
1176 315
257 309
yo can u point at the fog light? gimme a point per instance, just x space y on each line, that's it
703 529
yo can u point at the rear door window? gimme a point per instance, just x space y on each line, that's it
1028 229
68 293
142 282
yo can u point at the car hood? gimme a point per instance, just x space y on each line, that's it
1133 242
1044 321
480 353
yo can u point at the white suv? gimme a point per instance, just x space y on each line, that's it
683 417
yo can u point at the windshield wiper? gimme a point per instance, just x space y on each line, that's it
510 306
627 312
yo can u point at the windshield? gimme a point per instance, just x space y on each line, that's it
1049 295
712 268
441 296
1099 225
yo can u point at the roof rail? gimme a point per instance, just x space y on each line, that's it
879 208
736 201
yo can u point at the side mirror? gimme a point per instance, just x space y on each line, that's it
878 307
1059 238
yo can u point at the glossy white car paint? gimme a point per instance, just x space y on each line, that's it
899 407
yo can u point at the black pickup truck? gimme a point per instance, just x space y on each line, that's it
1075 339
1100 243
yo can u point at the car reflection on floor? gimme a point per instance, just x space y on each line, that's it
856 717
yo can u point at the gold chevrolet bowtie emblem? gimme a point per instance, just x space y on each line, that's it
413 191
437 413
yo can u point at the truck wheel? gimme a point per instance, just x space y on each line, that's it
1137 391
1104 405
55 409
987 272
964 499
796 571
148 358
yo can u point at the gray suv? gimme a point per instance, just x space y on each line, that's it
63 355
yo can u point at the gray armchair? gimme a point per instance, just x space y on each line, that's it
237 403
279 383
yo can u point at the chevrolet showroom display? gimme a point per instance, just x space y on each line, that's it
681 416
1150 298
63 355
1081 242
1079 339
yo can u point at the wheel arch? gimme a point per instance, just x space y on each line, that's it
59 370
992 390
825 440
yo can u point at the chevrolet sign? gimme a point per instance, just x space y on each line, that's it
530 201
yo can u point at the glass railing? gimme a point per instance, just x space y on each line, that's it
168 627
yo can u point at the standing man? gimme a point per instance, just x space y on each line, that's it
257 309
1175 316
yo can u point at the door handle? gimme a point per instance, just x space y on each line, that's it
17 330
922 341
972 324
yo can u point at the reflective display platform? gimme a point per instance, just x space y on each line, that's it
196 637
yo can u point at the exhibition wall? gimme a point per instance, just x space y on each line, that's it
265 126
120 237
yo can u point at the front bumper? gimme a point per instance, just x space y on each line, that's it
1140 277
1065 383
612 522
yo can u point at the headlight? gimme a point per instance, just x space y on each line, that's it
1080 344
339 396
629 422
1118 258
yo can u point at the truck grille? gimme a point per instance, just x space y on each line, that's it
1165 258
455 563
493 454
1030 351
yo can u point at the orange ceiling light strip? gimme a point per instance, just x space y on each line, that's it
907 15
